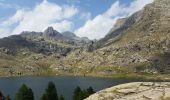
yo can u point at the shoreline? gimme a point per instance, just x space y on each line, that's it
154 78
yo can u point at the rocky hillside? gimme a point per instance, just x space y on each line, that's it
47 42
135 91
137 45
34 52
154 18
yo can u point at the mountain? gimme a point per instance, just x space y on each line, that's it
45 42
33 52
136 45
69 35
50 33
153 18
72 36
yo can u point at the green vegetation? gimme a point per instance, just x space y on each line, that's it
61 97
80 94
50 92
24 93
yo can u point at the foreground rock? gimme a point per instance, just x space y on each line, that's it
135 91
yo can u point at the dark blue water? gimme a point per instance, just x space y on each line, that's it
65 84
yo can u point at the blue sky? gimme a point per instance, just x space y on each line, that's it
86 18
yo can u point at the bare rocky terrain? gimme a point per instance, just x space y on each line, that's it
138 45
135 91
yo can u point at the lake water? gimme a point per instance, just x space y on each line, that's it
65 84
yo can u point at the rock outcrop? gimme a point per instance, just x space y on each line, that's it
135 91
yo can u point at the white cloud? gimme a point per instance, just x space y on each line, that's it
136 6
14 19
50 14
85 15
69 11
101 24
40 17
3 32
94 29
62 26
113 10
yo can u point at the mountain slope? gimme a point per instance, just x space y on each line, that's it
153 18
32 53
137 45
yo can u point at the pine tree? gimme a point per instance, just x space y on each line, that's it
90 91
82 94
61 97
50 92
24 93
77 93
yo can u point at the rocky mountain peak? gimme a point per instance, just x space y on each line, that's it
69 34
51 33
119 23
49 30
72 36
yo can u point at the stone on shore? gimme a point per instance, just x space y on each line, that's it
135 91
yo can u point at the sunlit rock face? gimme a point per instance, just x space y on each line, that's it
135 91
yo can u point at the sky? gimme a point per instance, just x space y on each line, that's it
85 18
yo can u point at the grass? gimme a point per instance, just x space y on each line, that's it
143 76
